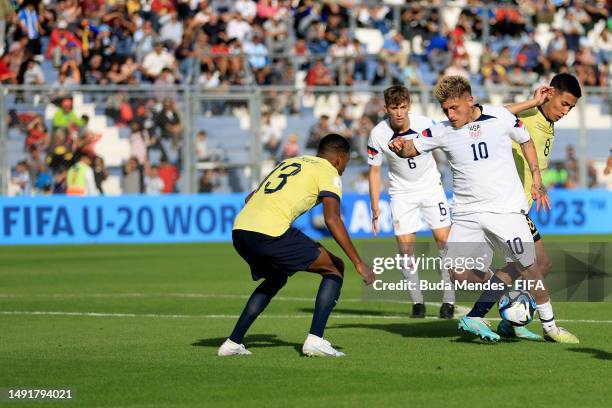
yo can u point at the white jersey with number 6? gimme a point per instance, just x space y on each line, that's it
418 200
405 175
480 154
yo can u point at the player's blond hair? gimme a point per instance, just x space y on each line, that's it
453 86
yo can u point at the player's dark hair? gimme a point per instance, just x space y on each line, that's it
566 83
333 144
396 95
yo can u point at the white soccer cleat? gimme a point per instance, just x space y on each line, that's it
315 346
229 348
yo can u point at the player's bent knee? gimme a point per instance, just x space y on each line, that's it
270 286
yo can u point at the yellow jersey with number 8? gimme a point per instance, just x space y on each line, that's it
292 188
542 133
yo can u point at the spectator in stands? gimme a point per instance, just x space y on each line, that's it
169 174
411 76
132 177
66 117
96 72
29 22
201 147
276 33
153 184
238 27
438 54
100 173
257 55
6 15
361 132
270 135
169 122
80 180
246 8
291 147
317 132
139 142
33 74
60 151
6 75
319 74
603 45
62 44
555 177
172 29
394 51
37 134
571 164
557 51
206 183
572 30
155 61
155 151
144 40
457 68
22 179
382 76
362 184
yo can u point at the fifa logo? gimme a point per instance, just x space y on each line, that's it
474 130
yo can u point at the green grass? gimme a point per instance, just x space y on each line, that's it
180 302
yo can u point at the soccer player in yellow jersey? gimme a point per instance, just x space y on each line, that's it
274 250
539 115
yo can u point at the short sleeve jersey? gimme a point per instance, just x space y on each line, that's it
292 188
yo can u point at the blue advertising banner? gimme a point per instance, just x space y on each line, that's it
209 218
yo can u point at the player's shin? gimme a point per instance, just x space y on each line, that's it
327 296
256 304
411 275
499 285
449 292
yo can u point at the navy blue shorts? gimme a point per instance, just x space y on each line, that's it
287 254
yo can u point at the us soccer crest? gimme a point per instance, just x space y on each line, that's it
474 130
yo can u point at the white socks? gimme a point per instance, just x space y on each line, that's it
411 274
449 295
547 317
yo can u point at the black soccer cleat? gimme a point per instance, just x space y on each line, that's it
447 311
418 310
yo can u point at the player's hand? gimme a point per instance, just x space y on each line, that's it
375 214
541 95
366 273
397 146
540 195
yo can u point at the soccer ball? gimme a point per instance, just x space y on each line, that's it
517 307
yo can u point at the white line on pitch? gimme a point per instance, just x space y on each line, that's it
222 316
460 309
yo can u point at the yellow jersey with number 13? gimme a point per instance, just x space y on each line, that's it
542 133
292 188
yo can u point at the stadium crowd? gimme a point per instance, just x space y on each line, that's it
220 43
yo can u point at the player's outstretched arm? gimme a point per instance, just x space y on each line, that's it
538 191
539 97
374 183
403 148
331 212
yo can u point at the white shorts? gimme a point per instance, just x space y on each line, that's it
477 236
417 212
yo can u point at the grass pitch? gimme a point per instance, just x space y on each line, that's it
139 326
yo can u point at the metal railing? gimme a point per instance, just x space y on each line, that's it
592 116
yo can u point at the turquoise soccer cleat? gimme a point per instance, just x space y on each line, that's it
478 327
505 329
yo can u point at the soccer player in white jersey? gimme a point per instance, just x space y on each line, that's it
418 200
489 206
